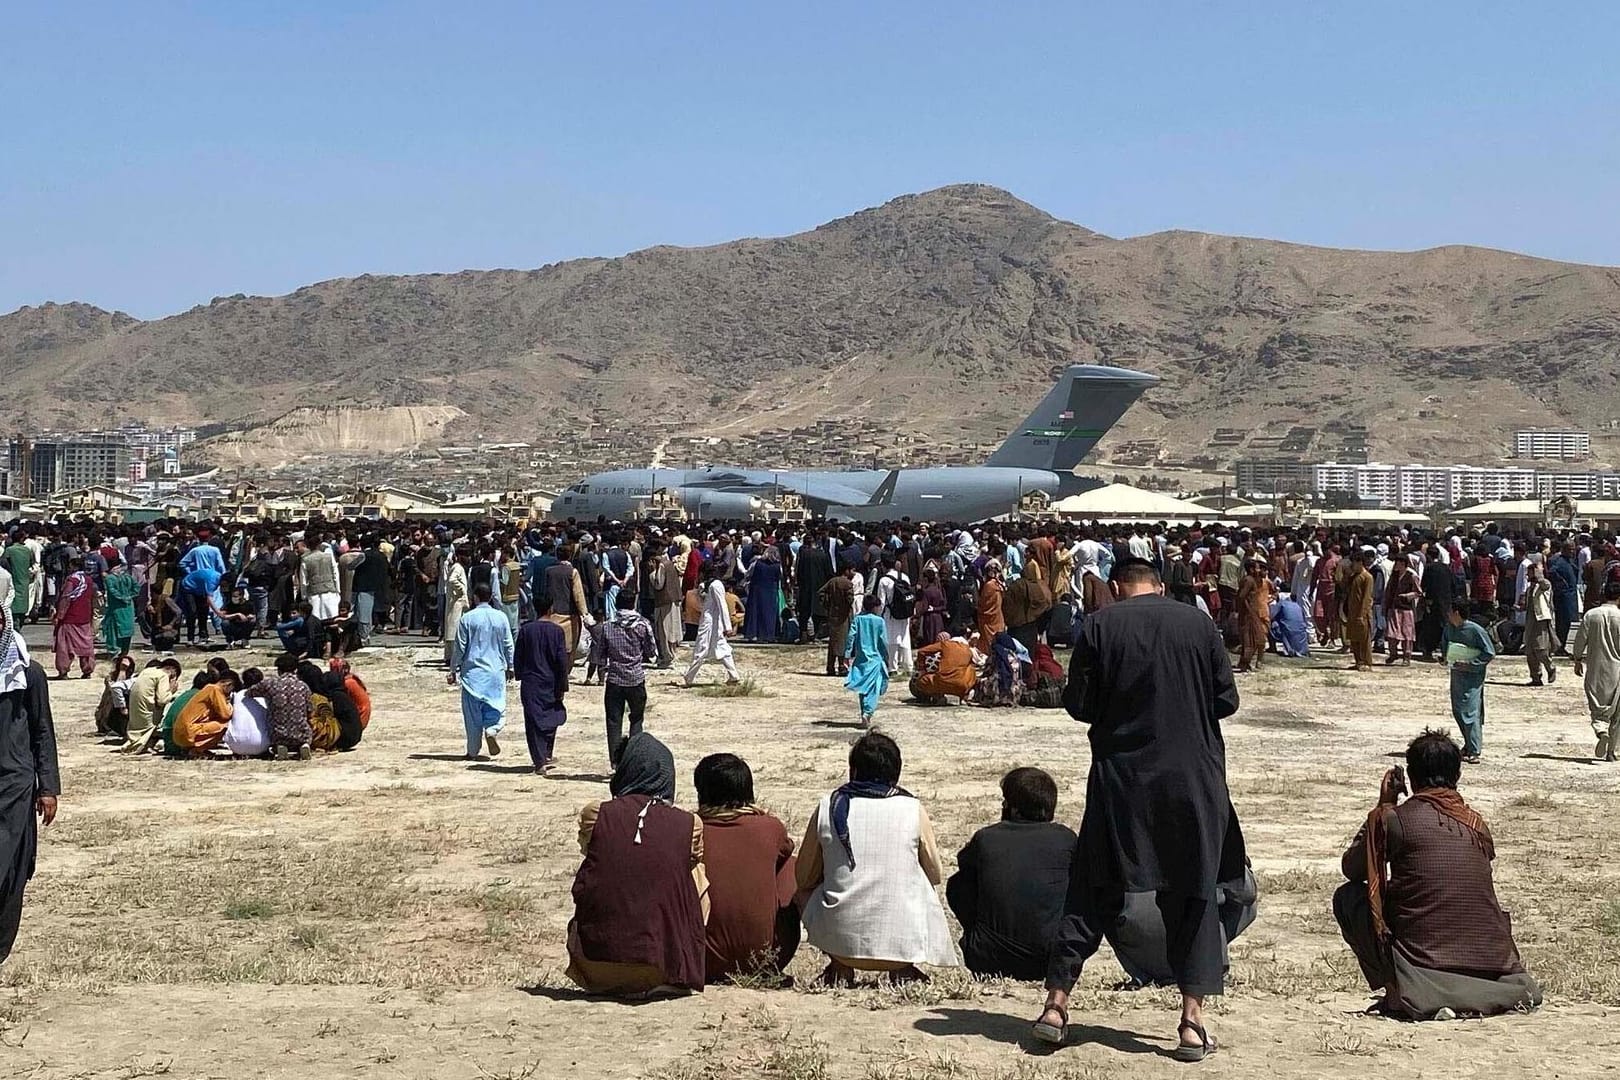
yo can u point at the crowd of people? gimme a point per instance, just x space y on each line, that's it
970 615
667 900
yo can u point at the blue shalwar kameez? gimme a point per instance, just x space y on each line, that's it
1468 683
484 656
867 649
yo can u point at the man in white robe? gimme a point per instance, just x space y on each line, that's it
1300 587
714 629
1596 652
897 630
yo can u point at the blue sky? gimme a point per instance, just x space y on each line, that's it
155 155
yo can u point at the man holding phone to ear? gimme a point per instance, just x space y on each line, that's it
1419 909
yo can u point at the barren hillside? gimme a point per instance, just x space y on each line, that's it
945 311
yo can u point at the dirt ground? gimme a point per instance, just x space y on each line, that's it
395 912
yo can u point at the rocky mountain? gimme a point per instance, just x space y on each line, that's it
945 312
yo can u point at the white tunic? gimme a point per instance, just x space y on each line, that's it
1597 645
714 624
248 733
884 908
898 631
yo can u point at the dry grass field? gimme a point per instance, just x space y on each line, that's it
395 912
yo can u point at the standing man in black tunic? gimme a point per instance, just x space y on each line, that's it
29 783
1153 680
811 570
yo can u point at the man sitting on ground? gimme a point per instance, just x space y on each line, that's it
753 928
237 619
944 670
1420 909
881 913
201 723
296 632
1290 635
641 894
149 698
1011 880
1138 938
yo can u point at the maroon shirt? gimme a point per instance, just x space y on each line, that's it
78 599
749 859
636 903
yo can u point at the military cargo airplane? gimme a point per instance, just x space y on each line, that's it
1039 455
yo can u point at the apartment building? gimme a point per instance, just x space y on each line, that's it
1550 443
58 463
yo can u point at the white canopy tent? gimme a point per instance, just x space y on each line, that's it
1121 502
1373 517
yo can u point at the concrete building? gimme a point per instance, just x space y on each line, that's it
1274 476
57 463
1424 486
1549 443
1471 484
1379 485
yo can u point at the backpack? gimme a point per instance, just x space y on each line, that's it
903 600
55 558
1062 623
1046 694
259 573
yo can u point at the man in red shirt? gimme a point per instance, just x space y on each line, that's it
73 624
1483 576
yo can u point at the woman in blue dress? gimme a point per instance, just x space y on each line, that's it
764 584
867 651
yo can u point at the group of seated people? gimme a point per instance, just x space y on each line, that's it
1002 672
308 637
668 901
300 709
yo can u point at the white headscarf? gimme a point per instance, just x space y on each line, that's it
14 658
1085 561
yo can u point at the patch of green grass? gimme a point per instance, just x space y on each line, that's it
309 936
1609 918
747 686
1344 1044
793 1060
248 907
498 899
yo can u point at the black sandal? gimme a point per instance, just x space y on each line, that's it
1048 1033
1194 1054
837 975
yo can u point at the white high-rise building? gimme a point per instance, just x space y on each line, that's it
1546 443
1420 487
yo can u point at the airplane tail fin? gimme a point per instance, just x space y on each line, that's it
1086 402
884 495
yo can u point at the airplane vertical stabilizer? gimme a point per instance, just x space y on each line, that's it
1078 411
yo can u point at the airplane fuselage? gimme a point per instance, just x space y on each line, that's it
1039 455
962 493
